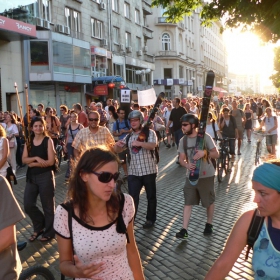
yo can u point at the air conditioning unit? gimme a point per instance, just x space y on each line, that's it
121 47
47 24
145 49
129 49
39 22
102 6
139 53
59 28
104 42
67 30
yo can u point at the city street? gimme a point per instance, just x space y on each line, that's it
163 255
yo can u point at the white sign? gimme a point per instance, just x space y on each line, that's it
190 83
181 81
199 88
169 82
146 97
125 96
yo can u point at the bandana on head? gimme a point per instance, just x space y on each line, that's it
268 175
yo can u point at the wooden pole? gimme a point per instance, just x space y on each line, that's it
19 105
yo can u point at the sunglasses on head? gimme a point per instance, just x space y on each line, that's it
106 177
91 119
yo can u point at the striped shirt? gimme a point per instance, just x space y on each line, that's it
86 139
142 163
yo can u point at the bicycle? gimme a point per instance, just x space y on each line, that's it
223 162
34 272
259 135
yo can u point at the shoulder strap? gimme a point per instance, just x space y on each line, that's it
117 125
253 231
121 227
214 129
126 123
70 128
185 145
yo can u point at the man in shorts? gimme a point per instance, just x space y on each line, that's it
239 117
204 189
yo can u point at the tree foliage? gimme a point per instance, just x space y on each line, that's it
259 16
275 78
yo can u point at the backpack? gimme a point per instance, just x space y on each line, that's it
253 231
55 167
154 153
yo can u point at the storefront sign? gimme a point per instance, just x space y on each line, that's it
125 96
98 51
18 26
100 90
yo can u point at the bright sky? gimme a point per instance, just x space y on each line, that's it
247 54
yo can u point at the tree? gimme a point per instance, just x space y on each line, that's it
275 78
259 16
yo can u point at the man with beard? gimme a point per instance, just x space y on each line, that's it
142 170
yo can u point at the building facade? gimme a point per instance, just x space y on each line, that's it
184 52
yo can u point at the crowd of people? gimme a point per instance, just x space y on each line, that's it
101 141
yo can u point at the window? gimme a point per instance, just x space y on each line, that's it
138 44
127 39
127 10
181 75
165 42
115 5
137 16
116 32
39 56
73 19
96 28
46 9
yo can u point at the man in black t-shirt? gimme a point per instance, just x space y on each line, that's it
177 112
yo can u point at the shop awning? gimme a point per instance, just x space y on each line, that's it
108 79
219 89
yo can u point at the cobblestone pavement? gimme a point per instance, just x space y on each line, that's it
164 256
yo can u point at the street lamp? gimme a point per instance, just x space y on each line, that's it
143 74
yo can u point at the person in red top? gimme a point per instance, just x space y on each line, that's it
82 116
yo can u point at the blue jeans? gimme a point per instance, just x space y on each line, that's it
178 134
135 184
70 153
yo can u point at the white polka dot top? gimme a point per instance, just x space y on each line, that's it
99 244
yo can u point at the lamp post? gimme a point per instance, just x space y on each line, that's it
143 75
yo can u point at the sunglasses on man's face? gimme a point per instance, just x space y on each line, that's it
91 119
106 177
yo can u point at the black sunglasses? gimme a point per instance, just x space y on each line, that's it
185 124
91 119
106 177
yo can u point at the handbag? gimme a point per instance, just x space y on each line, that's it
159 127
10 175
11 144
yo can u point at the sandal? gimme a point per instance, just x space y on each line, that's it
35 235
45 239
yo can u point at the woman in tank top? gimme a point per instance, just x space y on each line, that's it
39 155
71 131
4 152
248 123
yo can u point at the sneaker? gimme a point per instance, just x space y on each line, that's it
168 146
208 229
183 233
173 144
148 224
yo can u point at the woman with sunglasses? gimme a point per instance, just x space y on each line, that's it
39 155
100 250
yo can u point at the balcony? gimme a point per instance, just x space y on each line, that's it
146 6
149 58
147 33
163 20
167 53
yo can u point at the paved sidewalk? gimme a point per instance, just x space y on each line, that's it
164 256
